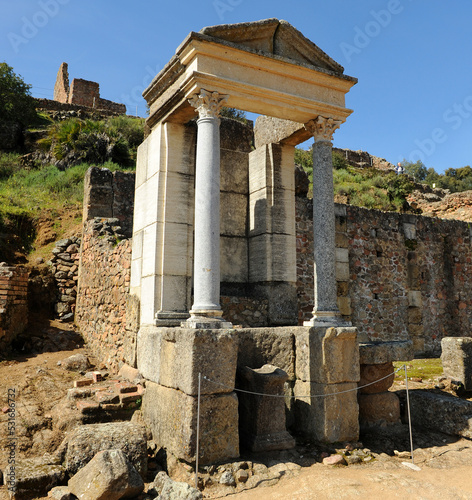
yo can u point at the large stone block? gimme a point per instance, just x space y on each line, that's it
377 378
186 352
327 355
149 352
234 175
108 476
376 353
456 358
98 193
326 412
172 418
174 357
282 298
87 440
233 214
273 346
441 412
234 259
379 408
272 211
272 257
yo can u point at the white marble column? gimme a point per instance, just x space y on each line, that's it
206 310
325 311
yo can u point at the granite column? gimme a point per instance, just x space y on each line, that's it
325 311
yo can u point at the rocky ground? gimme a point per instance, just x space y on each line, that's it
373 468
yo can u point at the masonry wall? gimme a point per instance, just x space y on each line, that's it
399 276
13 303
104 277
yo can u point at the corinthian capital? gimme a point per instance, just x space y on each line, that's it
208 104
322 129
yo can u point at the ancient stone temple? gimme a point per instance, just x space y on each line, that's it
206 216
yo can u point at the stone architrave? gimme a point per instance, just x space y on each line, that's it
206 311
325 311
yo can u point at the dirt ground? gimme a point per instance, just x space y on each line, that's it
445 462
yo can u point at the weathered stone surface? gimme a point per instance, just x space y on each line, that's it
130 374
60 493
87 440
456 358
174 357
33 476
274 346
172 417
268 129
108 476
378 408
376 353
327 416
327 355
176 490
262 419
441 412
334 460
77 363
371 373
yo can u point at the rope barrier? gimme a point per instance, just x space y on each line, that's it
300 397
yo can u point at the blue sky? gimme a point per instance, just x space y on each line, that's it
412 58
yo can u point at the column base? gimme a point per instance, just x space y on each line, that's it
206 320
327 318
170 318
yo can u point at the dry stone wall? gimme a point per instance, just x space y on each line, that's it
13 303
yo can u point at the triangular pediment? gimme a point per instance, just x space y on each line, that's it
275 38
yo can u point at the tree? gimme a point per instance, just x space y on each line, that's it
16 104
417 170
235 114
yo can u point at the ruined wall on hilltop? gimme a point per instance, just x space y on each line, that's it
82 93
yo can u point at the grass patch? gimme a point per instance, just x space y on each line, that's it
427 369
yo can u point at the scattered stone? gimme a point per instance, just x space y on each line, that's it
87 440
35 476
174 490
108 476
402 454
227 479
242 476
67 317
76 362
130 374
353 459
334 460
60 493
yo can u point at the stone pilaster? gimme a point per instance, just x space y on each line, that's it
325 311
206 310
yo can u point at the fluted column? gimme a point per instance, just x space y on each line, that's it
325 311
206 310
